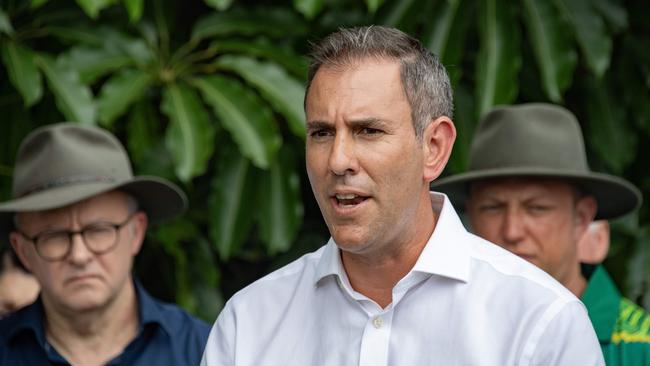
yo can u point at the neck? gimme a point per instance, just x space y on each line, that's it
375 275
576 285
94 336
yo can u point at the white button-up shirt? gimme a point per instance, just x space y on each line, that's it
465 302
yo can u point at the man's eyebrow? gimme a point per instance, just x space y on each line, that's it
318 125
368 122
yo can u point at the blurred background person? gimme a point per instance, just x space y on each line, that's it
17 286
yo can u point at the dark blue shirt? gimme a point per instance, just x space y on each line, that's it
167 336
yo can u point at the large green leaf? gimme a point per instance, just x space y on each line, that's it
280 209
465 121
23 72
308 8
220 5
92 63
445 34
134 8
190 134
548 36
590 32
142 134
120 91
283 91
93 7
5 23
499 60
269 22
73 98
244 115
398 14
614 14
38 3
373 5
111 40
231 198
295 64
609 135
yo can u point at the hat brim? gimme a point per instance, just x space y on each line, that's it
615 196
159 198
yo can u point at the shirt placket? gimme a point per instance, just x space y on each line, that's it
376 339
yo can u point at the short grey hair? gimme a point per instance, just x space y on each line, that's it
424 79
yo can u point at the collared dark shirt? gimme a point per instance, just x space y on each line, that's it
623 328
167 336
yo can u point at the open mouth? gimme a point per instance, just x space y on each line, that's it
349 200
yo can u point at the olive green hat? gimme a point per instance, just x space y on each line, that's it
64 163
538 140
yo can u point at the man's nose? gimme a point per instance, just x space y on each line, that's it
79 253
342 159
513 227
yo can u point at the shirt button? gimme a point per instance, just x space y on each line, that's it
378 322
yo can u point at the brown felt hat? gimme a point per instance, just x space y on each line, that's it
60 164
537 140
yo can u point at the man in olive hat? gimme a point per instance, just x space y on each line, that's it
529 189
76 221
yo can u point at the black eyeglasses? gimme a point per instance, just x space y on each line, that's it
99 238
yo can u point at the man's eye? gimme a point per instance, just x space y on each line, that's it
538 208
490 208
320 133
370 131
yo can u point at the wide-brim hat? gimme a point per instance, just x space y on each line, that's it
61 164
537 140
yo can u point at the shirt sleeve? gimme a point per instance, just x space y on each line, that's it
565 336
220 348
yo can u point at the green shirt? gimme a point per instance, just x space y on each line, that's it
622 327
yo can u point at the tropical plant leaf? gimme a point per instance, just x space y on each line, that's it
269 22
244 115
38 3
608 135
445 34
373 5
283 91
111 40
23 72
614 14
93 7
119 92
556 57
308 8
230 201
5 23
142 134
398 14
92 63
72 97
295 64
134 8
499 60
590 32
280 207
220 5
465 121
190 134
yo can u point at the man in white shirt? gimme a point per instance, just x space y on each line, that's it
401 282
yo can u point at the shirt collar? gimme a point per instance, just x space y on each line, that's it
445 254
602 299
31 317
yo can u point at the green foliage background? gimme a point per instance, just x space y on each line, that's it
209 94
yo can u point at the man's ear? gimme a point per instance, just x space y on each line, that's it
437 142
20 248
594 244
140 223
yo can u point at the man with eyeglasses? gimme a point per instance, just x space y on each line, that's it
76 221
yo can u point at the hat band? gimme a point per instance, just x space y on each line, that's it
64 181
